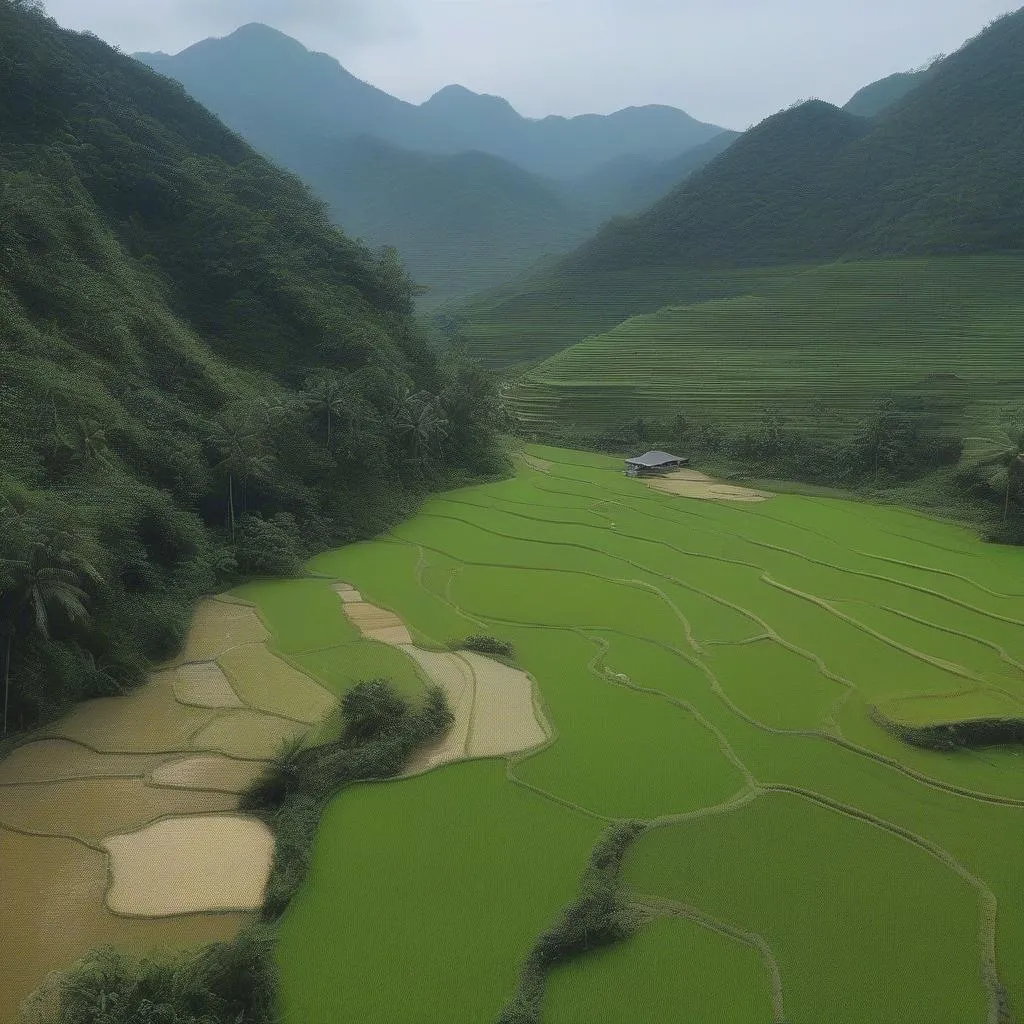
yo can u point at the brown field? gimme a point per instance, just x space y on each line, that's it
504 720
204 685
268 683
214 772
91 809
217 626
53 914
55 760
190 865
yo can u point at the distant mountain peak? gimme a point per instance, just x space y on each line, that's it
458 96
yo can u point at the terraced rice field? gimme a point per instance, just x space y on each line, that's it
709 668
822 346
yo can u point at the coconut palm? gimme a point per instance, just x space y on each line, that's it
239 442
998 457
422 422
43 578
326 395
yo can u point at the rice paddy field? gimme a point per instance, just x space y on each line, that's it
711 669
823 346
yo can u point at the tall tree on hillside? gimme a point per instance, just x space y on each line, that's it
423 424
41 575
325 396
998 456
243 455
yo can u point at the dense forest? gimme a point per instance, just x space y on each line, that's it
936 173
200 377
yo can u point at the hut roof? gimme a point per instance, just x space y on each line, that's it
651 460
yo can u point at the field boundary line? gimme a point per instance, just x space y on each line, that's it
672 908
987 899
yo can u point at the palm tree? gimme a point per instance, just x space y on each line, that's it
242 456
998 456
421 420
326 395
45 577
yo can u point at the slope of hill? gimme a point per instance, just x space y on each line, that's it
820 347
181 329
879 96
935 174
462 223
261 83
629 184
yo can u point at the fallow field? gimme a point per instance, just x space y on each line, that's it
822 346
717 671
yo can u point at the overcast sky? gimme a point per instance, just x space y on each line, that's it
731 62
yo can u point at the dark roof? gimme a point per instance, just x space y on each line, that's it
652 459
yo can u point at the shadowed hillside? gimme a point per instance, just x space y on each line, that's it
199 375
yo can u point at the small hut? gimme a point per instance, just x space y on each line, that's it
653 463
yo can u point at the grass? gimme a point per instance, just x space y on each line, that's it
673 969
693 658
425 896
864 925
822 346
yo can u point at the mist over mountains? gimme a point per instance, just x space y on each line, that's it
469 191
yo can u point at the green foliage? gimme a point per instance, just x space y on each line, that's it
225 983
165 296
598 917
484 644
380 731
269 547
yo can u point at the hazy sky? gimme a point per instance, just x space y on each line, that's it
727 61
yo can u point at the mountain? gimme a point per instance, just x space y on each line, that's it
629 184
935 174
181 327
261 83
879 96
457 184
462 222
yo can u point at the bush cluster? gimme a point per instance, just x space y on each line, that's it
483 644
598 917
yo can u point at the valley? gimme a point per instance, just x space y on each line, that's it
462 567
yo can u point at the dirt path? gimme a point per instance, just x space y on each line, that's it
118 823
492 703
688 483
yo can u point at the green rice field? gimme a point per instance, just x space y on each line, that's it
710 669
822 346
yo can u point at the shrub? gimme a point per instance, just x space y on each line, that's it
483 644
269 547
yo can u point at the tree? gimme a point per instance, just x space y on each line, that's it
325 395
998 456
42 574
422 423
243 455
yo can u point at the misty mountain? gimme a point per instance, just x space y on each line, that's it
629 184
879 96
263 83
461 222
939 173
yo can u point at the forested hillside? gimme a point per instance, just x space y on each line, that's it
879 96
199 375
462 223
936 174
939 173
